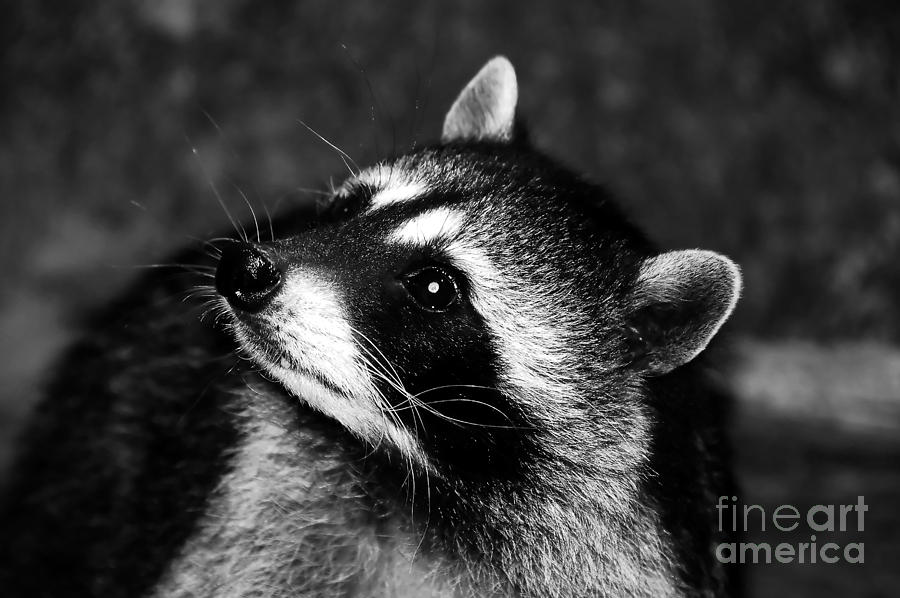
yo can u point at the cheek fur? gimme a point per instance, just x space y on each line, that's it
305 341
451 398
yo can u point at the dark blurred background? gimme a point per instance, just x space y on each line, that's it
768 131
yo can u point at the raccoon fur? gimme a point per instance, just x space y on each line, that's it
465 374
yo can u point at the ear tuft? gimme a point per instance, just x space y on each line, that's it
680 301
486 107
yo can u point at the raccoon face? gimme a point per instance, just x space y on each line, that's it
473 305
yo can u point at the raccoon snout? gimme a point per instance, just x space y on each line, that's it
247 277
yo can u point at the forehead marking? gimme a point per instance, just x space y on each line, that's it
440 223
392 184
400 193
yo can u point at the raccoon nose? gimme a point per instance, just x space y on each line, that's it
247 277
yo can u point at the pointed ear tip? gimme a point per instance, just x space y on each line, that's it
485 108
731 271
500 67
706 279
728 275
737 278
501 62
713 267
731 284
723 265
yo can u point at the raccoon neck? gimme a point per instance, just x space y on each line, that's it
555 534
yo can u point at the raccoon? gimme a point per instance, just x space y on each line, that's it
465 374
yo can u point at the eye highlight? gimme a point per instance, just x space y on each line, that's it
433 288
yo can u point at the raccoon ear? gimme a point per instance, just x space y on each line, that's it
680 301
486 107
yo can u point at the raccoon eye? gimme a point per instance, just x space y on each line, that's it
432 288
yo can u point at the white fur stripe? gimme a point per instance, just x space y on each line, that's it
401 193
533 344
392 184
430 226
308 334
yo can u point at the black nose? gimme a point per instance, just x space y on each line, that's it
247 277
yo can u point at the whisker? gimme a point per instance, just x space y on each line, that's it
207 246
374 346
252 211
197 269
269 218
280 199
234 155
461 422
344 155
221 133
315 191
373 366
237 229
445 386
214 240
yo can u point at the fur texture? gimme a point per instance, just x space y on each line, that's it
548 433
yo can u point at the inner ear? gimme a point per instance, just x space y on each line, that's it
680 300
486 107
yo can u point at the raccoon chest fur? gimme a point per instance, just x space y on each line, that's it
289 522
465 373
320 521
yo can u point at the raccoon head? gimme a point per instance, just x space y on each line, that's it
473 305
